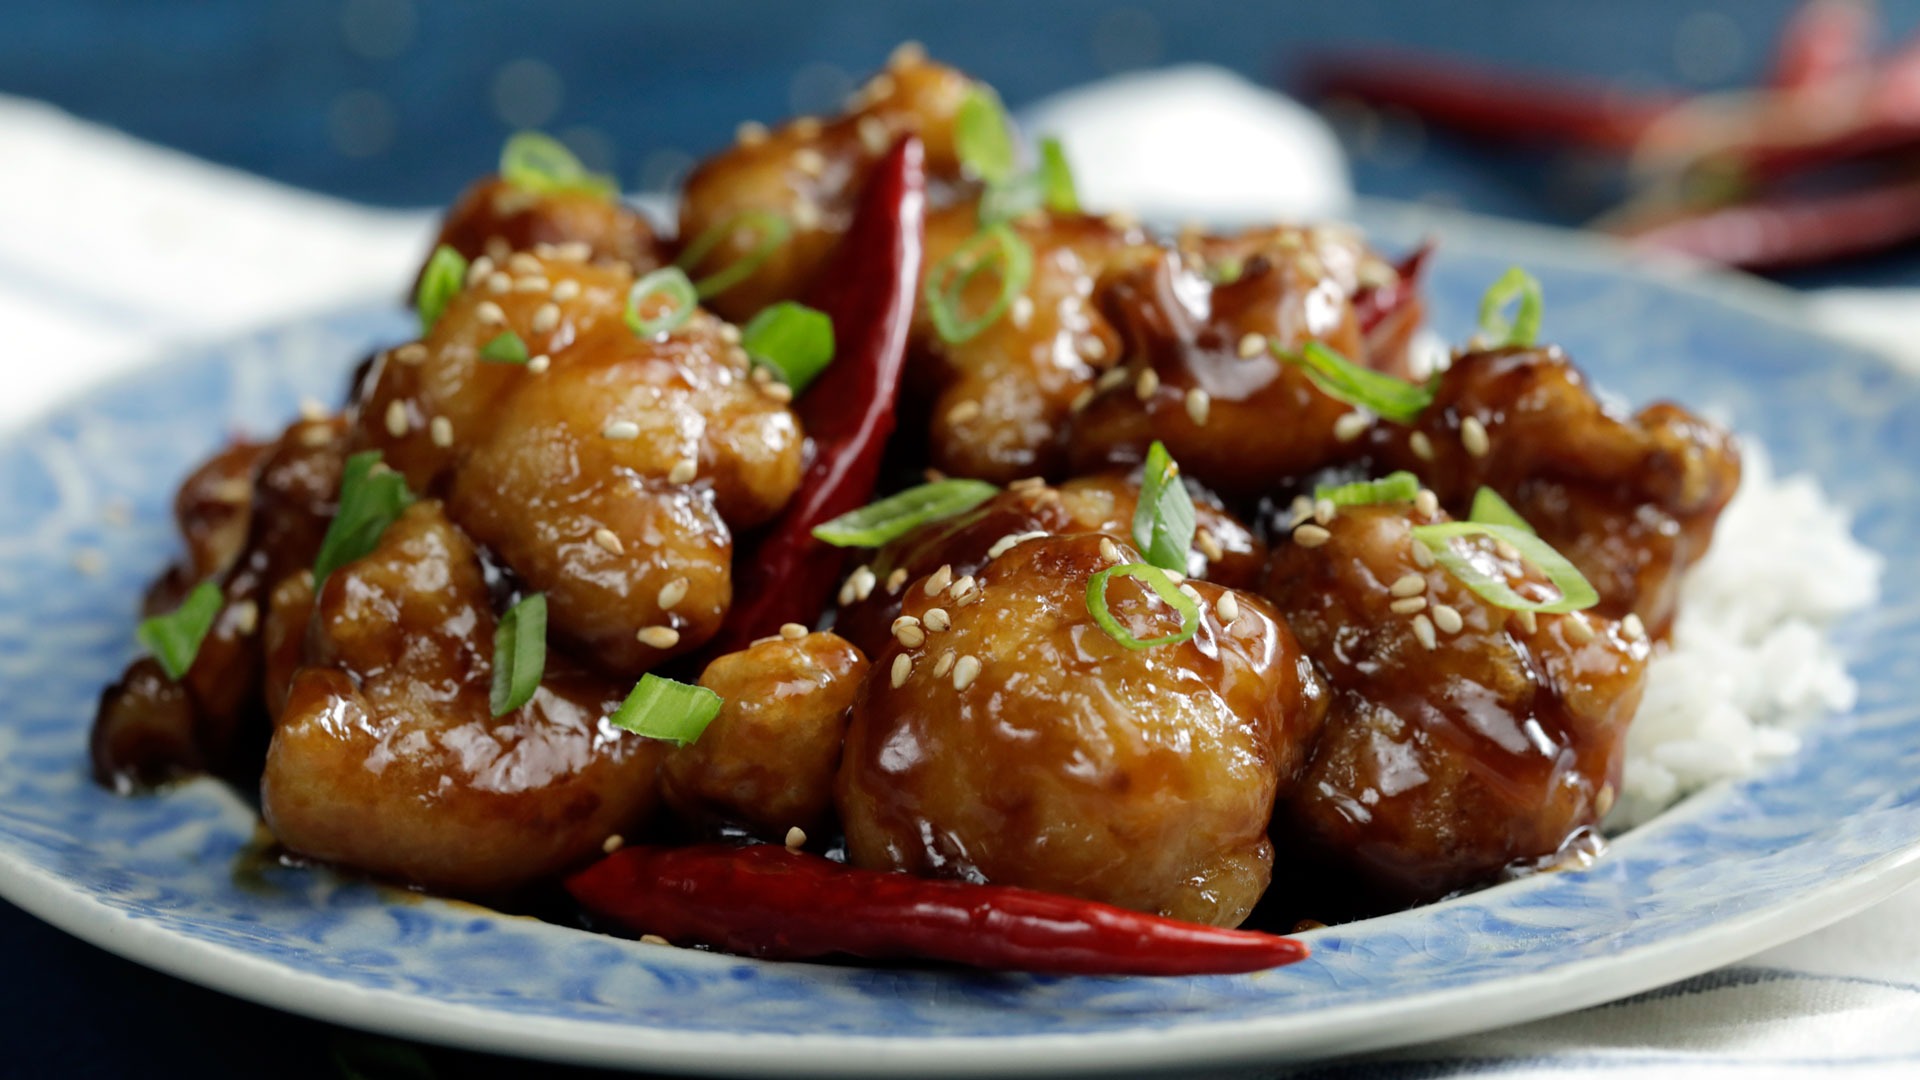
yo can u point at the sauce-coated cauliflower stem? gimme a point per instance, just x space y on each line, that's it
1010 739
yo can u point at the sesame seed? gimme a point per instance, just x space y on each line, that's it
1408 606
907 631
1603 800
1427 503
806 215
902 667
246 616
751 133
1447 618
1423 629
566 290
778 391
1528 620
1022 313
1121 221
613 843
397 423
481 268
1080 401
532 283
1192 594
862 581
672 593
1093 347
654 939
1324 511
539 363
896 580
490 313
522 263
683 471
1473 436
441 430
1005 544
961 587
846 593
659 637
792 631
1174 576
943 665
906 54
544 250
1108 551
1577 629
621 429
1633 628
963 412
1421 446
1147 384
796 838
545 319
1422 555
606 539
965 670
499 282
1226 607
807 127
1252 345
574 251
1351 426
809 161
1298 511
1027 485
1506 551
936 619
874 135
1409 585
1311 536
311 410
1199 403
938 581
1208 545
312 438
410 354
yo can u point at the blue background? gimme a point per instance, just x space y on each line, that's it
400 102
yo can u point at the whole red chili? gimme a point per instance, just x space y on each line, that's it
778 904
867 288
1389 315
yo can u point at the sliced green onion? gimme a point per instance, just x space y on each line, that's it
370 500
773 231
1056 178
674 712
1162 585
505 349
1163 518
1391 489
1490 509
996 248
793 340
896 515
982 137
1343 380
1576 593
440 282
670 283
1226 271
1515 284
519 654
539 163
174 638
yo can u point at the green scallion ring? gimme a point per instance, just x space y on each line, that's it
1163 587
773 231
997 248
669 282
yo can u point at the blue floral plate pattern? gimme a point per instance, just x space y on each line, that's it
166 880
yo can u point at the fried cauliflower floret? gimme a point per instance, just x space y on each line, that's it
1013 741
387 758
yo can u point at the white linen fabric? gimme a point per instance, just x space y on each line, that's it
114 251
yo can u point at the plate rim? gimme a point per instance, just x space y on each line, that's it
1419 1017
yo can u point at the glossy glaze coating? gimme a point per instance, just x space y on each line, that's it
1632 501
496 219
1024 746
766 763
1089 504
810 171
386 756
1441 766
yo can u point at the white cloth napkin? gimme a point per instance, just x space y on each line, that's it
113 251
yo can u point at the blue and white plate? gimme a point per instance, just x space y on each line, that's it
168 881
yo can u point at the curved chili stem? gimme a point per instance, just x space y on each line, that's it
867 289
778 904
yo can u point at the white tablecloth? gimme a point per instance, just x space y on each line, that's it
113 251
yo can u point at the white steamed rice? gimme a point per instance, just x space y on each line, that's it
1750 661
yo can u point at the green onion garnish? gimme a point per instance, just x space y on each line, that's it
1391 489
519 654
1515 284
444 277
793 340
174 638
1056 178
1163 518
1051 186
674 712
996 248
370 500
1226 271
898 514
671 283
505 349
542 164
1343 380
772 229
982 138
1162 585
1576 593
1490 509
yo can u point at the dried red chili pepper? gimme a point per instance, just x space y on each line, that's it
1780 232
867 288
778 904
1389 315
